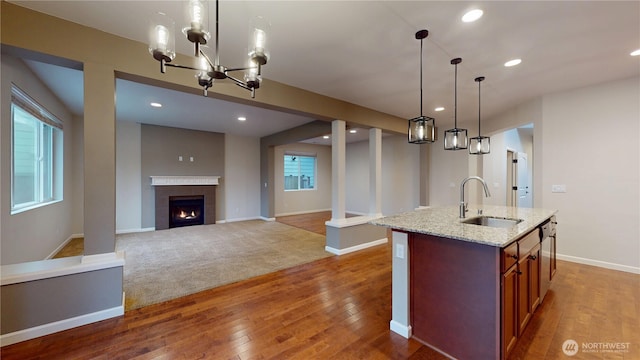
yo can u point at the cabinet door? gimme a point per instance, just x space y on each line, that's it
523 285
534 278
509 310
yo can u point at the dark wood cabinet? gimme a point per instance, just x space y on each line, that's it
509 309
520 287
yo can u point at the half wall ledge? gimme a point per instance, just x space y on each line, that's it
353 234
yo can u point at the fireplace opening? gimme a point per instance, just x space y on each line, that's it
186 211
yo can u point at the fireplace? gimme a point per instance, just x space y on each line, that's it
186 211
187 189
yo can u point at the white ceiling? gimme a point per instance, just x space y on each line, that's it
365 52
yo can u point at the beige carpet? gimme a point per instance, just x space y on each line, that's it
166 264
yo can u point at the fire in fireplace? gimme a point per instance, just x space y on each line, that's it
186 211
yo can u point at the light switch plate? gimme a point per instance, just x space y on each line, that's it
559 188
400 251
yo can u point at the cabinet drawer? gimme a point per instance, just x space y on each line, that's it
528 242
509 256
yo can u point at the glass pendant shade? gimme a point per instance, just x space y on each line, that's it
422 129
252 75
455 139
258 29
161 38
479 145
196 18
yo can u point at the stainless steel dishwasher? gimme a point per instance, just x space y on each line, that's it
548 253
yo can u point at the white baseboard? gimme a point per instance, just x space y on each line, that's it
598 263
355 248
302 212
402 330
66 324
239 219
131 231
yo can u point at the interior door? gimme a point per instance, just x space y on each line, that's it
523 191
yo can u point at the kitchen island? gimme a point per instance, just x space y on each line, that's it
467 290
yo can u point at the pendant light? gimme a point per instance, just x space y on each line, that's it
479 145
422 129
455 139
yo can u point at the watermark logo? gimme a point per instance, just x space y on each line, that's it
570 347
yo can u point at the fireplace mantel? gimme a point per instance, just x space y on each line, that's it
184 180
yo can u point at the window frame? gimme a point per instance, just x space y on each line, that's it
315 172
48 150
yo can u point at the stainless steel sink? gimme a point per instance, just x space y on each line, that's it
492 221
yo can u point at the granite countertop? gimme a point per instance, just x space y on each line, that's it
445 222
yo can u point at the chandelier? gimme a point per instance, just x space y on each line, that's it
162 47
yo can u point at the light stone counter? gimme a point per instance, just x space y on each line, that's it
445 222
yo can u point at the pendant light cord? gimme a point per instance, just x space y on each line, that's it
455 99
479 133
421 97
217 33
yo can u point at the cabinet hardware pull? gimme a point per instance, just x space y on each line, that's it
518 272
514 256
533 257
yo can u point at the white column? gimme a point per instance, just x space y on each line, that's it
338 169
375 172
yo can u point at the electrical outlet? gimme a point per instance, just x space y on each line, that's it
180 158
400 251
559 188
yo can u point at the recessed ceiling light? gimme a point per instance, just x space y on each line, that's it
241 118
439 108
513 62
325 137
472 15
353 131
155 104
635 53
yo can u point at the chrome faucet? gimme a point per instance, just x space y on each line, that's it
463 205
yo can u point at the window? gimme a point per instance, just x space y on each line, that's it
36 163
299 172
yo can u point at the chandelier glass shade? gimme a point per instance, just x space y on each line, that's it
162 48
422 129
479 145
455 139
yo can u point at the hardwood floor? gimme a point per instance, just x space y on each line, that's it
337 308
313 222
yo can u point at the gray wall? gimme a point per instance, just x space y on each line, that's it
297 202
128 168
32 235
242 175
160 148
400 176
